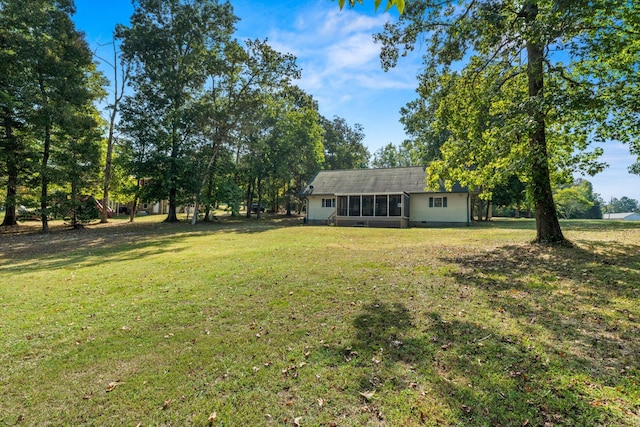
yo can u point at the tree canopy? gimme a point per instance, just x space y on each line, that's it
48 86
517 88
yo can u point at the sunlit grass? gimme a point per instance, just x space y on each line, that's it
272 323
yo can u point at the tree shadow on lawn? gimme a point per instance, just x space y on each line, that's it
99 244
576 308
559 347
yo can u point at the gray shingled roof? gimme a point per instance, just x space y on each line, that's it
370 181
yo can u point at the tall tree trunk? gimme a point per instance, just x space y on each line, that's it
10 217
75 205
547 224
44 178
172 215
207 209
44 167
104 214
259 207
134 206
249 191
117 97
487 217
205 177
288 193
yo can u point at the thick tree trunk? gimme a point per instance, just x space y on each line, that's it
10 217
134 206
172 215
489 211
547 224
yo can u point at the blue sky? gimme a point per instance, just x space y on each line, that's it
340 67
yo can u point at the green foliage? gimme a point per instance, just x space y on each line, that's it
622 205
343 147
498 99
48 85
510 195
399 4
170 45
391 156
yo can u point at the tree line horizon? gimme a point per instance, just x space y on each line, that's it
511 96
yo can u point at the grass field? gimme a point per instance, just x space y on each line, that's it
251 323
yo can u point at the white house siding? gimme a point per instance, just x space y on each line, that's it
456 211
316 214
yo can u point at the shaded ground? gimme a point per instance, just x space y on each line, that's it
26 239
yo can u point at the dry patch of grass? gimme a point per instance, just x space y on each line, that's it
269 323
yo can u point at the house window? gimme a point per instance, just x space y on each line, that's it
367 205
395 205
381 205
328 203
437 202
343 206
354 205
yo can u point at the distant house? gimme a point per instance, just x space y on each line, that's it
627 216
394 197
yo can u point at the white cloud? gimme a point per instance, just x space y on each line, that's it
337 54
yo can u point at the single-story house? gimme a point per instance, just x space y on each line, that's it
627 216
394 197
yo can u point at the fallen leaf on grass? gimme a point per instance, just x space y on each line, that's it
368 395
112 385
166 404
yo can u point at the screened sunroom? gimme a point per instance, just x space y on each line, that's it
374 210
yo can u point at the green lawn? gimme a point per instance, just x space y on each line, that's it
248 323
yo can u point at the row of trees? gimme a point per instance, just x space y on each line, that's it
205 119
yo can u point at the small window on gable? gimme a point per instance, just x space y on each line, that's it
437 202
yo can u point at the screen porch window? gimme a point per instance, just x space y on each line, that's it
367 205
354 205
343 205
381 205
395 205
